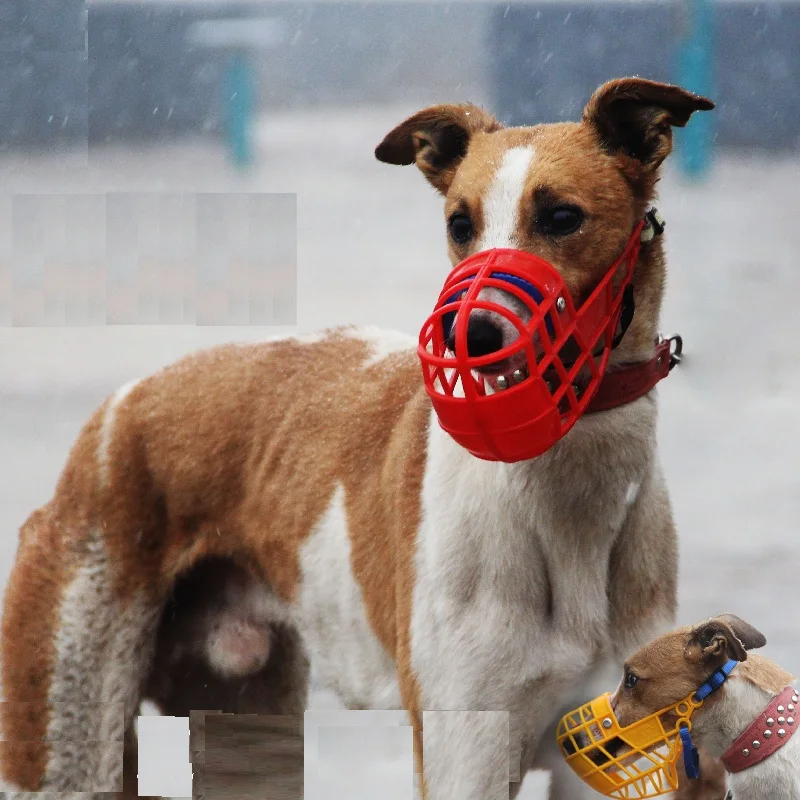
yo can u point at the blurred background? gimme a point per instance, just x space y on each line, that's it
176 173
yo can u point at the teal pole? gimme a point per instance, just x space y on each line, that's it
239 105
695 67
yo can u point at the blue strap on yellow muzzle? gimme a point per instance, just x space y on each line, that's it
691 758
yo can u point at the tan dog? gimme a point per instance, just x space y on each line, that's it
343 525
676 664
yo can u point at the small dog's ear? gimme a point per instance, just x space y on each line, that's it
722 638
751 638
635 117
436 139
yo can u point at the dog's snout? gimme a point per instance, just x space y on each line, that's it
610 750
483 337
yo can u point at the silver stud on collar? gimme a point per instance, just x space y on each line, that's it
607 723
781 709
767 734
781 720
745 752
518 375
770 721
756 744
502 382
781 732
790 720
790 707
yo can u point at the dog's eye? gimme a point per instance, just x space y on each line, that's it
460 227
560 221
630 680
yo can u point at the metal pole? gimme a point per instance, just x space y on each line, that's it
695 67
239 105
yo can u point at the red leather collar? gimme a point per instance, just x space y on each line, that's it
629 382
768 733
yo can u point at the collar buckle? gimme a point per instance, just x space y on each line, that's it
654 225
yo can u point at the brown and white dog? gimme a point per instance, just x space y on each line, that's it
737 722
254 508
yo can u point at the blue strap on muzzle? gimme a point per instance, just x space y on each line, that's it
691 758
520 283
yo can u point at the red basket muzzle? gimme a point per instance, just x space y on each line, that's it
515 402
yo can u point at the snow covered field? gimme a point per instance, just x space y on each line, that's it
371 250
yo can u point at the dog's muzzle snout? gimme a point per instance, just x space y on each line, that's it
484 336
509 362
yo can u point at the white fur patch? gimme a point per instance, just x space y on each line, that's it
381 342
502 200
346 656
101 657
107 431
632 493
312 337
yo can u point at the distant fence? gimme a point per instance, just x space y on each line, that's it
115 70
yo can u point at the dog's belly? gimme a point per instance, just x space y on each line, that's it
346 655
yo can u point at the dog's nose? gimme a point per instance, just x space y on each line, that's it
483 337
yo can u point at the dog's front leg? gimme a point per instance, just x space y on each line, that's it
643 593
470 755
465 754
469 746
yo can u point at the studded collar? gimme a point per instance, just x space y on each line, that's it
768 733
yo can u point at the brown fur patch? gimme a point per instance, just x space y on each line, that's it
30 621
765 674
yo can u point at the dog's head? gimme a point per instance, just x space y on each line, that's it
570 193
675 665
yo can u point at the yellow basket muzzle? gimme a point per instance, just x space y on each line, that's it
634 762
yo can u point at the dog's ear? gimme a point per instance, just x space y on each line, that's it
634 117
724 637
436 139
751 638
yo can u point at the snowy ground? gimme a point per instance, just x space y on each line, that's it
371 250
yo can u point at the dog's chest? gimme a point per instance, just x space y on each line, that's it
512 581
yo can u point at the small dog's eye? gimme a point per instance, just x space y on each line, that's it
561 220
630 680
460 227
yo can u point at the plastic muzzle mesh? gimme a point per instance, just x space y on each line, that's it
630 763
517 402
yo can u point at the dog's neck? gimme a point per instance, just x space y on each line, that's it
745 695
638 343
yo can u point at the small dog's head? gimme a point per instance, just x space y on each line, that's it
570 193
675 665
